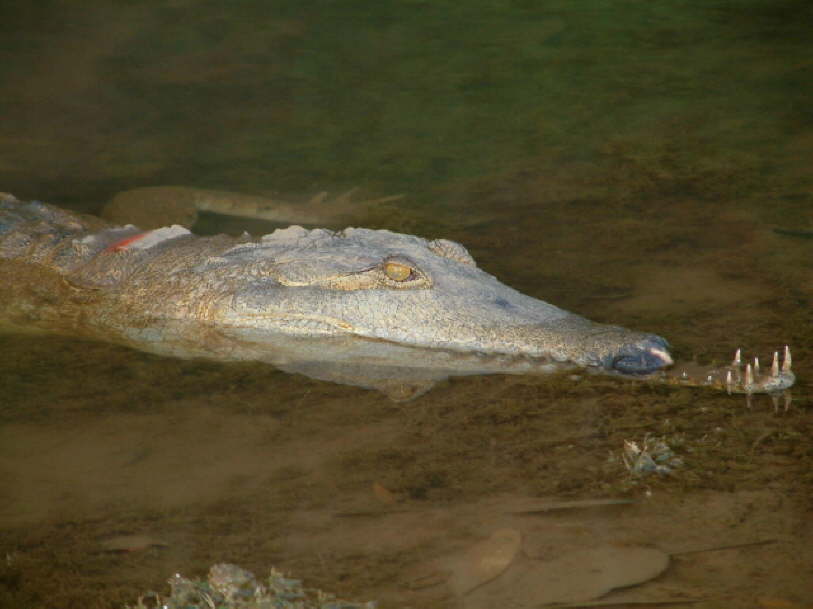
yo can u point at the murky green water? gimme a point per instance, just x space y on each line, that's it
625 160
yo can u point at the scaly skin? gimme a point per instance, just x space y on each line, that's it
371 308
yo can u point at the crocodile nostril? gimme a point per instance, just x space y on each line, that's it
644 358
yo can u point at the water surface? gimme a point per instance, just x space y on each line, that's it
627 161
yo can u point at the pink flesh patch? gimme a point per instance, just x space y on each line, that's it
124 243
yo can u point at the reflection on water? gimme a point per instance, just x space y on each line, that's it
624 162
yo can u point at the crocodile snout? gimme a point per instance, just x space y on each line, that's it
643 357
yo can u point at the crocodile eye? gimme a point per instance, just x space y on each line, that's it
397 271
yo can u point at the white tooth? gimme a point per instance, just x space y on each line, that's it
756 367
749 378
786 363
737 358
775 364
729 382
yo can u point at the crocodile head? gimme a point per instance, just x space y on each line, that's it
387 310
364 307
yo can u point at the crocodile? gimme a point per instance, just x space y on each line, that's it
371 308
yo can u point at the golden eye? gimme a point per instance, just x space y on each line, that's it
397 271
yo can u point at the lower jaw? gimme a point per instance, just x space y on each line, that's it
734 377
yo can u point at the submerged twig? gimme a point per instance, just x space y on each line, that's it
665 603
732 546
570 505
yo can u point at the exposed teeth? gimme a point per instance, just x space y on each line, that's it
749 379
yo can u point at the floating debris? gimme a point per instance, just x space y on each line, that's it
653 456
232 583
231 587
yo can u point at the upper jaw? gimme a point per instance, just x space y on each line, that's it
602 347
571 340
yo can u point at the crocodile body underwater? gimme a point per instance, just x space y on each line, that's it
372 308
